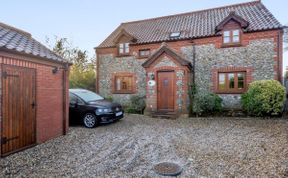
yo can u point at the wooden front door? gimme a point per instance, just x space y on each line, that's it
18 109
165 99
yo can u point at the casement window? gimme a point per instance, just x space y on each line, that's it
124 49
144 52
232 82
124 83
231 37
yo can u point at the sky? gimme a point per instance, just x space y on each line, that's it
86 23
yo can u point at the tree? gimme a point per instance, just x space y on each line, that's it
82 72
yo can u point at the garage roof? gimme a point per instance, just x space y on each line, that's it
19 41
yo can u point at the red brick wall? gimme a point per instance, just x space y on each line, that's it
49 96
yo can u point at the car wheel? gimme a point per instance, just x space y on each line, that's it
90 120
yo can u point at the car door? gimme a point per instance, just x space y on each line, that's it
73 109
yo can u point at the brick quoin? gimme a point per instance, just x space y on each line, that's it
49 95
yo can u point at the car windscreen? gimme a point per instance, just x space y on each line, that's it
88 96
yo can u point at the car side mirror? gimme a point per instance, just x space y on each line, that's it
73 104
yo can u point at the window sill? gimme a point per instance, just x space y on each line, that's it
230 45
123 92
124 55
230 92
142 57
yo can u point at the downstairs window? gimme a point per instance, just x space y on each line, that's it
123 83
232 82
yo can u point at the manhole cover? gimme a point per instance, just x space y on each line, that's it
167 169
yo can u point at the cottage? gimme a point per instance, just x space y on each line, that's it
34 91
221 50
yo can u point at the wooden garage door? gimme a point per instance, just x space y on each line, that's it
18 109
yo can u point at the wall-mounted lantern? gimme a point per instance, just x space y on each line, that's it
152 77
55 70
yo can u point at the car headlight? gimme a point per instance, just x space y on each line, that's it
100 110
103 110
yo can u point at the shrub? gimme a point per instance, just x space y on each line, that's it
109 98
136 105
207 103
264 98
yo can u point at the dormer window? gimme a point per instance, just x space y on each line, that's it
231 36
124 48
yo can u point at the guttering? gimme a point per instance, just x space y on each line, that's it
34 56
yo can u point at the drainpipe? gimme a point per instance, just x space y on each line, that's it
193 67
278 54
192 85
64 86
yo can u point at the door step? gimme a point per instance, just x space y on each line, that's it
164 115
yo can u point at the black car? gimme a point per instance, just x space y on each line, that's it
90 109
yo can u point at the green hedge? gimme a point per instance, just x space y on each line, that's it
136 105
264 98
207 103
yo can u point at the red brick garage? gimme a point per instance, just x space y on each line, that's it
34 91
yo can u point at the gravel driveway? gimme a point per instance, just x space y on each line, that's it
204 147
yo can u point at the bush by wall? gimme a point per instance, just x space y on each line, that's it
264 98
136 105
109 98
207 103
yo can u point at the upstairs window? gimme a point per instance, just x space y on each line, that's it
231 82
231 37
124 48
144 52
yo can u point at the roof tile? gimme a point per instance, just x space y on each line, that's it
195 24
17 40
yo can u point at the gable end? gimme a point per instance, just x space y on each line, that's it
232 17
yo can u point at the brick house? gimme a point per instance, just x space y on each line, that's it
222 50
34 91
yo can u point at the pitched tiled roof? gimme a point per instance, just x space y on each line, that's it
195 24
15 40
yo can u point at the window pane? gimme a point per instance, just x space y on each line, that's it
144 52
236 32
126 47
236 39
241 77
227 34
121 48
236 36
127 83
118 84
231 79
226 39
221 83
